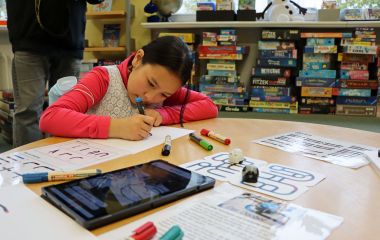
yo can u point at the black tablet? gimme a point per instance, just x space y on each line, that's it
98 200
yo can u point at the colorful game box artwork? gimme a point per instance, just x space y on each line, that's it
111 35
105 6
247 4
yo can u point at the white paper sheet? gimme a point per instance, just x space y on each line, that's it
76 154
157 138
330 150
228 212
275 180
25 215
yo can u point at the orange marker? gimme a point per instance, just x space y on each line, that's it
216 136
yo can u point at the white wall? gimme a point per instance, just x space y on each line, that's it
5 60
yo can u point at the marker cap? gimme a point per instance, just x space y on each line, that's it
35 177
167 146
174 233
166 150
145 232
206 145
204 132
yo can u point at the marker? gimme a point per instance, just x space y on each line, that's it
58 176
216 136
145 232
4 208
174 233
378 153
201 142
167 146
140 107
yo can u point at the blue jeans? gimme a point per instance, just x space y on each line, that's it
30 74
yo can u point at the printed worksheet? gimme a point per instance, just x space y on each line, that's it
275 180
76 154
330 150
227 212
25 215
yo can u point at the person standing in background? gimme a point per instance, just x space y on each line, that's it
47 38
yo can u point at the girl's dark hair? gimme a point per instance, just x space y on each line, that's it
172 53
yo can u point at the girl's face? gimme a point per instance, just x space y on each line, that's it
152 83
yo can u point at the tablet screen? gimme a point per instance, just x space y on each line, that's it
111 192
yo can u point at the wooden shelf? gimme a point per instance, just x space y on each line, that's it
252 24
105 15
105 49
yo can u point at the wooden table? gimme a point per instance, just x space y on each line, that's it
352 194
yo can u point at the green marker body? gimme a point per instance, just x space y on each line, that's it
206 145
201 142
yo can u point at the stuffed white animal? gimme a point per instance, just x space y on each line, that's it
283 11
236 156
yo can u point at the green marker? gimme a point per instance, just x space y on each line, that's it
174 233
201 142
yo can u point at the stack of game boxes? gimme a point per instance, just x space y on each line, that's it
224 5
357 87
86 66
212 5
272 86
222 82
317 78
189 39
215 10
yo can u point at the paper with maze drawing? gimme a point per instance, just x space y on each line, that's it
65 156
337 152
281 181
217 166
274 180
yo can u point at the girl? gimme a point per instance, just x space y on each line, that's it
102 104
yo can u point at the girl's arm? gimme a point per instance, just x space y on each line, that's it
198 107
67 116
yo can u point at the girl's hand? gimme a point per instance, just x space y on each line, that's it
136 127
155 115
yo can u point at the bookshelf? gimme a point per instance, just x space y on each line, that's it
252 24
110 14
249 33
122 12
